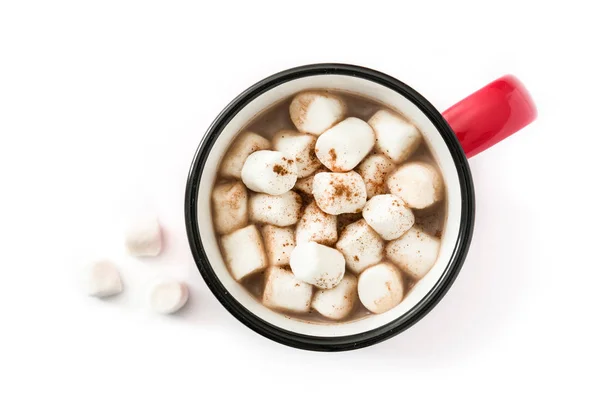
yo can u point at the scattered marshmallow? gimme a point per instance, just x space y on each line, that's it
246 144
284 292
396 137
230 206
169 297
279 243
360 245
337 193
300 147
305 185
143 237
338 302
316 226
270 172
315 112
380 288
282 210
414 253
388 216
417 183
244 252
318 265
374 171
103 279
343 147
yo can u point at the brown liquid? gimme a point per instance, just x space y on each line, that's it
432 219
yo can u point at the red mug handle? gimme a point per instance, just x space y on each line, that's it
491 114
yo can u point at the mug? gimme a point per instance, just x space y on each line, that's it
479 121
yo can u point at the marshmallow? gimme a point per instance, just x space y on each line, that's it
168 297
338 302
388 216
315 112
305 185
342 147
300 147
418 184
279 243
338 193
360 245
284 292
316 226
414 253
244 252
282 210
374 171
103 279
230 206
380 288
246 144
270 172
318 265
396 137
143 237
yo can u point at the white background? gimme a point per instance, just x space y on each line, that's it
102 105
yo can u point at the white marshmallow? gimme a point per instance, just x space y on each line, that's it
316 226
380 288
396 137
103 279
374 171
230 206
417 183
279 243
318 265
414 253
282 210
168 297
388 216
284 292
270 172
360 245
144 237
338 302
305 185
338 193
315 112
244 252
300 147
246 144
343 146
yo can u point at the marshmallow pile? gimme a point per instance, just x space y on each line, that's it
325 212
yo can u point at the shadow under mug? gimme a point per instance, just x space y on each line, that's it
479 121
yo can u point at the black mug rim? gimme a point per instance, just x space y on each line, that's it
348 342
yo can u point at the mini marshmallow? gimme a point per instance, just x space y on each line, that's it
279 243
338 302
396 137
360 245
300 147
230 206
244 252
414 253
143 237
284 292
168 297
338 193
103 279
343 147
318 265
417 183
282 210
246 144
315 112
380 288
316 226
270 172
388 216
374 171
305 185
